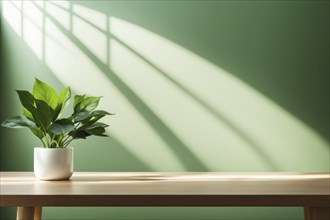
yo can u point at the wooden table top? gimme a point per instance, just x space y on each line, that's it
159 189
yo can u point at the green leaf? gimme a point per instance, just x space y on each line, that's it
18 122
27 114
63 101
42 109
87 123
99 131
27 99
28 122
45 92
87 104
101 112
23 122
37 132
28 103
38 120
96 125
77 100
82 116
61 126
80 134
44 113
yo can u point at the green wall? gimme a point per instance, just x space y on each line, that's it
231 86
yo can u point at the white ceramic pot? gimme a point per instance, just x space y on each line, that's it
53 163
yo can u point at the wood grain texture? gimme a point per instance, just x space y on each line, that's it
317 213
37 213
28 213
25 213
168 189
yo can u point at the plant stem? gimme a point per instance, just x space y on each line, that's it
67 143
43 142
66 138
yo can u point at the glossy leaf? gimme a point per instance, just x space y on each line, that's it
18 122
46 93
80 134
81 116
27 114
43 108
77 100
44 113
61 126
28 103
96 125
89 122
99 131
37 132
101 112
87 104
27 100
63 102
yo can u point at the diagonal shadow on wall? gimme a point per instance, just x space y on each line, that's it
253 144
267 159
188 158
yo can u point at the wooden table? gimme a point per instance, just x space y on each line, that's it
309 190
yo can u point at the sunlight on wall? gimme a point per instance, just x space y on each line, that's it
32 28
206 137
213 112
74 68
99 20
12 12
222 120
59 10
95 40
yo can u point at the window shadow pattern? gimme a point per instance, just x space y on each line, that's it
190 160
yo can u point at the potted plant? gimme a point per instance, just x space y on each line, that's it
42 114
